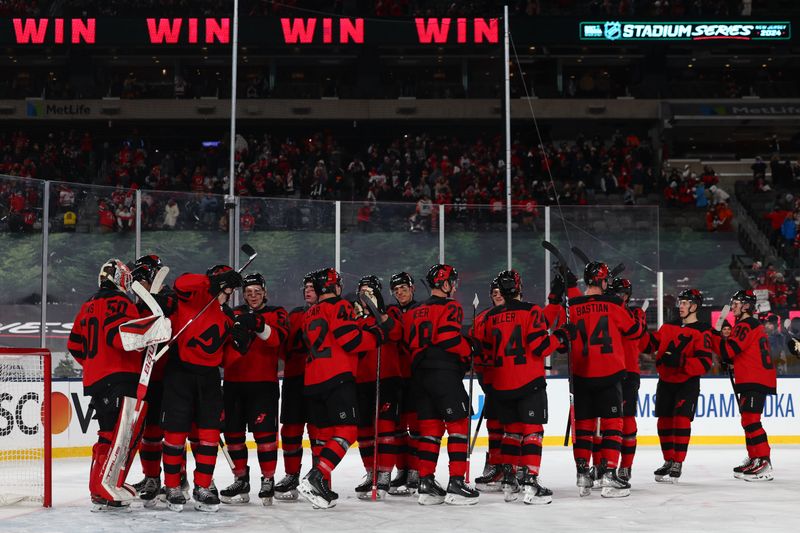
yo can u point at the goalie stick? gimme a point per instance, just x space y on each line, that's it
562 264
130 424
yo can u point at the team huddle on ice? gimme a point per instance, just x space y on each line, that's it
391 378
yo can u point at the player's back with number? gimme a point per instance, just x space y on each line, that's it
432 332
754 369
334 340
517 334
597 350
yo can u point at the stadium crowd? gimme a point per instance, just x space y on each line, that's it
418 168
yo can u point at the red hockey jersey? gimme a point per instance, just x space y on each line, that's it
597 352
483 365
518 341
334 339
403 353
748 347
432 331
203 343
390 354
95 344
261 361
633 346
296 351
692 341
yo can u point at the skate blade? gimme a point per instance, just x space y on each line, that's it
288 496
206 508
430 499
318 502
584 491
611 492
488 487
760 477
663 479
537 500
455 499
103 508
149 504
175 507
402 490
509 496
674 480
239 499
266 501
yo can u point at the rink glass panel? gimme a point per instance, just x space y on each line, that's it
292 237
21 256
383 239
612 234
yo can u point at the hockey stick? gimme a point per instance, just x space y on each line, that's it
477 430
645 305
373 309
130 423
377 412
563 267
475 303
718 326
226 453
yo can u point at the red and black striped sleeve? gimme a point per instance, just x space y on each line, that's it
447 334
348 334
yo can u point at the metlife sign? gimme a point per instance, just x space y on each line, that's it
611 31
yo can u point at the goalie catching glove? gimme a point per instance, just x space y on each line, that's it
138 334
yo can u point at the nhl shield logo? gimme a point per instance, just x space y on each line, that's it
612 30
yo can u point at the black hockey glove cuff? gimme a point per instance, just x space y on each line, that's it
241 338
252 321
224 280
672 359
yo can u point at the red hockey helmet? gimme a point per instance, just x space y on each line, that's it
326 280
440 273
594 273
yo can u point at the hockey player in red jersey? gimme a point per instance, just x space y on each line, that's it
144 271
406 481
623 289
334 339
516 342
747 349
110 372
440 355
250 392
294 416
597 326
389 398
683 354
492 477
192 392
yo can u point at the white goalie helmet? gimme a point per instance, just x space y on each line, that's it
116 272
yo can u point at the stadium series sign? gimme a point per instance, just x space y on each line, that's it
685 31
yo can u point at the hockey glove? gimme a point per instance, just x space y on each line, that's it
567 332
572 281
241 338
556 295
251 321
671 359
225 280
475 346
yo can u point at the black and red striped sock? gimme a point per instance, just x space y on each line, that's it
292 444
174 455
511 444
205 456
531 449
267 452
681 433
366 445
457 439
428 445
629 430
611 429
336 446
387 445
150 450
584 433
237 449
665 438
755 436
495 430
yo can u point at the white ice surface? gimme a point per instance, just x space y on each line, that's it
707 499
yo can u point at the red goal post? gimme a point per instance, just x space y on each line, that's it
25 425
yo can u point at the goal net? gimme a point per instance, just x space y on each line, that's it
25 436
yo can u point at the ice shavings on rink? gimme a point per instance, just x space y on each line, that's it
707 498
